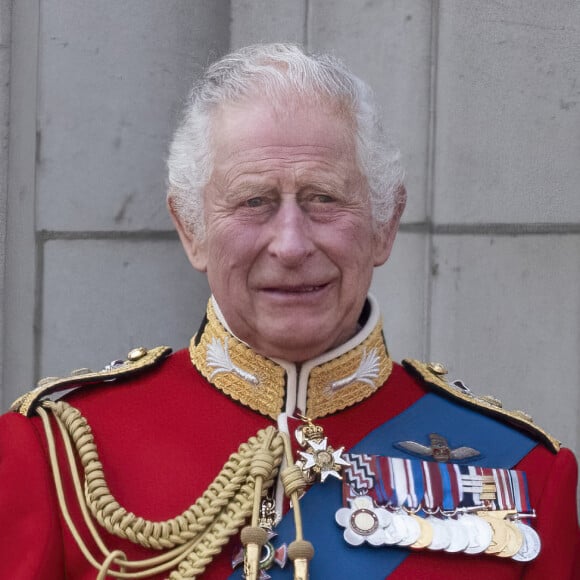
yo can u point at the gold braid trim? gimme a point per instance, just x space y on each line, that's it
338 380
192 538
236 370
432 375
138 360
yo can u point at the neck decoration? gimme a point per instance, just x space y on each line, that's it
329 383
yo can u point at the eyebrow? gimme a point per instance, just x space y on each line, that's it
249 188
329 185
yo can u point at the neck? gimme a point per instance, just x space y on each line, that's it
319 386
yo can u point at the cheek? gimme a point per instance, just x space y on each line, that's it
231 249
350 243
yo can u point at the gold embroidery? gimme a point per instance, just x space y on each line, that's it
252 379
335 385
260 383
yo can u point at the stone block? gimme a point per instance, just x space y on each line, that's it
505 314
5 23
508 112
111 86
401 287
103 297
254 21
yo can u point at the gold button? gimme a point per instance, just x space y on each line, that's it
437 368
137 353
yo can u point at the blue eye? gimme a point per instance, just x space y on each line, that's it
255 202
322 198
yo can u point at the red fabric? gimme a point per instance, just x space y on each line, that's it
163 437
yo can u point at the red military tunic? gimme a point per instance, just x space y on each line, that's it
164 433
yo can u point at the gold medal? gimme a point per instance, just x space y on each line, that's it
499 539
515 541
426 536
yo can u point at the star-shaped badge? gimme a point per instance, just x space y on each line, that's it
321 459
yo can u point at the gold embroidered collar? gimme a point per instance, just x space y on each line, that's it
329 383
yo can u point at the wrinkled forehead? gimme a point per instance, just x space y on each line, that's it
290 121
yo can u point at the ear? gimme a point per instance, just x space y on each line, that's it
385 235
195 249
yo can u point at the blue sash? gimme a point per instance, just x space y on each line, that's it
500 445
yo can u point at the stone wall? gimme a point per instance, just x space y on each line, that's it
482 97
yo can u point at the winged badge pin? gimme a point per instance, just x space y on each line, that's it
439 449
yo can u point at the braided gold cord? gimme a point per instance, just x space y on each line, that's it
293 480
111 559
194 537
300 551
218 534
151 566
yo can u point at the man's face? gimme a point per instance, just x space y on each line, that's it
289 248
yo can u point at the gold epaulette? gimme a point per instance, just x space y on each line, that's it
432 375
138 360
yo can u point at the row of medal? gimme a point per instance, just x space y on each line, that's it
391 501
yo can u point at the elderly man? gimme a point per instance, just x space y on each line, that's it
180 465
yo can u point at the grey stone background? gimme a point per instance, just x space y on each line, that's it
483 98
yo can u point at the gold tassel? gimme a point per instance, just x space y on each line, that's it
253 538
300 552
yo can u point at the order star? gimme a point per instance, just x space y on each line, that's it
324 459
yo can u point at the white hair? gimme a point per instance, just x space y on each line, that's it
277 71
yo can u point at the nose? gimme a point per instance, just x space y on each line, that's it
290 237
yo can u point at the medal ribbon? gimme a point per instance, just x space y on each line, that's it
520 487
499 489
399 471
467 485
478 473
456 487
359 477
505 496
408 478
448 503
500 444
385 490
411 483
419 483
521 495
433 485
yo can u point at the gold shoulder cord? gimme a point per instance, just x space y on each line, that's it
191 539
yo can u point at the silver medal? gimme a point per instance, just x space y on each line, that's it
363 522
479 533
531 546
459 536
441 536
395 531
412 529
